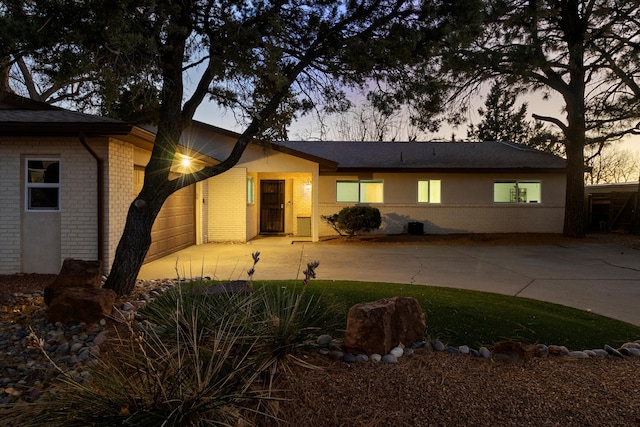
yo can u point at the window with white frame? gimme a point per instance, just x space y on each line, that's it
429 191
251 190
359 191
517 192
42 192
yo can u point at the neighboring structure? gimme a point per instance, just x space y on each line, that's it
612 207
68 180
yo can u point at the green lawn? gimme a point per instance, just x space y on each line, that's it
459 317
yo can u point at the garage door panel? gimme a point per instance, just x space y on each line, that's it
174 228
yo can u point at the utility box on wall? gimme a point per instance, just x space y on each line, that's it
416 228
304 226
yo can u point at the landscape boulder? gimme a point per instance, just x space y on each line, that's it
75 294
379 326
87 305
74 273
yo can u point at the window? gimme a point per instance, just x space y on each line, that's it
429 191
359 192
43 185
517 192
250 190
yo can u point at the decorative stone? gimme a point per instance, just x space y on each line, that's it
600 352
464 349
439 346
397 352
612 351
578 355
625 351
377 327
349 358
408 352
474 352
453 350
631 345
484 352
74 273
389 358
100 338
541 350
324 340
557 350
362 358
375 357
83 304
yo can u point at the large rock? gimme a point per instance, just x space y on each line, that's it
75 273
76 294
81 304
377 327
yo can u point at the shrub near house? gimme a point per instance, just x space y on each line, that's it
353 219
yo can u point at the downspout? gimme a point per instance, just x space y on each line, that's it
100 185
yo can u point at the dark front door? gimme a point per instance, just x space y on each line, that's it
272 206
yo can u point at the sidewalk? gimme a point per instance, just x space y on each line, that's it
603 278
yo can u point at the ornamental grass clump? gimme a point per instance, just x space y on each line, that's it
198 378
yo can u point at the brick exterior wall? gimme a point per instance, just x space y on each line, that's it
118 194
78 198
226 206
10 205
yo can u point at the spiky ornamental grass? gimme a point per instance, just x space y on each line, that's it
199 378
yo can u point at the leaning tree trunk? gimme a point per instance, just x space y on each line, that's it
134 244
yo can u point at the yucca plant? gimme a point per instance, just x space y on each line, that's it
291 322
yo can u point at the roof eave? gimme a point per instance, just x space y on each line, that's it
64 129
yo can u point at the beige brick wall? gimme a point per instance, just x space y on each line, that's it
78 198
226 206
10 206
118 194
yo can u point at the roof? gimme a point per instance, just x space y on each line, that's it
430 156
25 117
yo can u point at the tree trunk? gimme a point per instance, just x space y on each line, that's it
574 199
134 244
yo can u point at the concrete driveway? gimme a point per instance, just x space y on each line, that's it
603 278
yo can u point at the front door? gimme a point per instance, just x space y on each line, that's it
272 206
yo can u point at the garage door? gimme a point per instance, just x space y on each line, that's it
174 228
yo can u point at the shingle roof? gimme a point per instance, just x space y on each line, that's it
23 116
57 121
409 156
